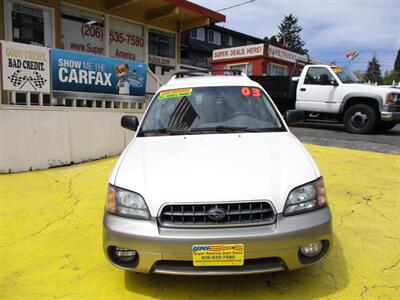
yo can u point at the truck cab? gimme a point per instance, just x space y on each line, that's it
325 92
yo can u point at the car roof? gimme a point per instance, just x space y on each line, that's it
208 80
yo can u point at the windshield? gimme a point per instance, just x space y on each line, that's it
210 109
347 77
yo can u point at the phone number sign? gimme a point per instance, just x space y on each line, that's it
126 39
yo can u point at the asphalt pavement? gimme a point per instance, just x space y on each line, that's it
332 134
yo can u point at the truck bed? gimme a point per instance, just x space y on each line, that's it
282 90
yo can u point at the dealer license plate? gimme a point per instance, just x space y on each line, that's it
218 255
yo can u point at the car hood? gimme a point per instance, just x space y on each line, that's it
378 89
214 168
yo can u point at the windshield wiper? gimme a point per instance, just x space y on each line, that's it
230 129
223 129
166 131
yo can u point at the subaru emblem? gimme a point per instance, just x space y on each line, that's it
216 213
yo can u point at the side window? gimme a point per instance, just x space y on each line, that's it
318 76
198 33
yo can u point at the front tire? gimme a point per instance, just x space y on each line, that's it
360 118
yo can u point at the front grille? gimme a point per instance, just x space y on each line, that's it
203 215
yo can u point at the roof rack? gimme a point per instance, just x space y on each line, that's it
181 74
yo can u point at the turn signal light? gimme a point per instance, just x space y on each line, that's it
111 203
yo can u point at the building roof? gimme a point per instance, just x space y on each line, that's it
213 15
175 15
237 33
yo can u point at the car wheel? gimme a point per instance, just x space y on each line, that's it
360 118
385 126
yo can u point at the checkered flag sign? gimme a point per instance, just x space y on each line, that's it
20 77
37 79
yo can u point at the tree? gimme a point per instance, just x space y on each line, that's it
397 62
391 76
374 73
273 40
289 35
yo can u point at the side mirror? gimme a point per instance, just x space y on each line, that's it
334 82
294 116
130 122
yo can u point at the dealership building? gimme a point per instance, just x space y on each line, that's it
70 69
140 30
261 59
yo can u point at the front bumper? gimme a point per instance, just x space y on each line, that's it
390 113
268 248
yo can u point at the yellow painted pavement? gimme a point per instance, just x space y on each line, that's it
51 239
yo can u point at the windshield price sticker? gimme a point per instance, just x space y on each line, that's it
174 94
218 255
255 92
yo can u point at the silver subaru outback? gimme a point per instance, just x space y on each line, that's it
214 183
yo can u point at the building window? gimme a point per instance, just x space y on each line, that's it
245 68
161 44
277 70
28 23
214 37
230 40
82 31
198 33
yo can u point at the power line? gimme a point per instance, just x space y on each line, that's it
236 5
362 62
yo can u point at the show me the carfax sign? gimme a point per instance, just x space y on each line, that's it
25 68
78 72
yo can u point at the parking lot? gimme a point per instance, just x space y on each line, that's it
51 239
332 134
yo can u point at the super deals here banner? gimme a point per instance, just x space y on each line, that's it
77 72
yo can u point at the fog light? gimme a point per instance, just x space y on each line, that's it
126 258
312 249
125 254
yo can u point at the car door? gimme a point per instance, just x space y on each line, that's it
319 91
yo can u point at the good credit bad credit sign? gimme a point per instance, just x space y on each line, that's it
72 71
26 68
239 52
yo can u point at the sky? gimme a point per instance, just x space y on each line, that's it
331 28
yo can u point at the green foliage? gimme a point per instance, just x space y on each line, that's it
289 35
391 76
397 62
273 40
374 73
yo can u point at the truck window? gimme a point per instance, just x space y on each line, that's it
318 76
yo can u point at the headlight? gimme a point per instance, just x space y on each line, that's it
391 98
126 204
305 198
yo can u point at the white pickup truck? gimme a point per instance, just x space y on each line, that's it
329 93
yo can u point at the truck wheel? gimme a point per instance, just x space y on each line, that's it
385 126
360 118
